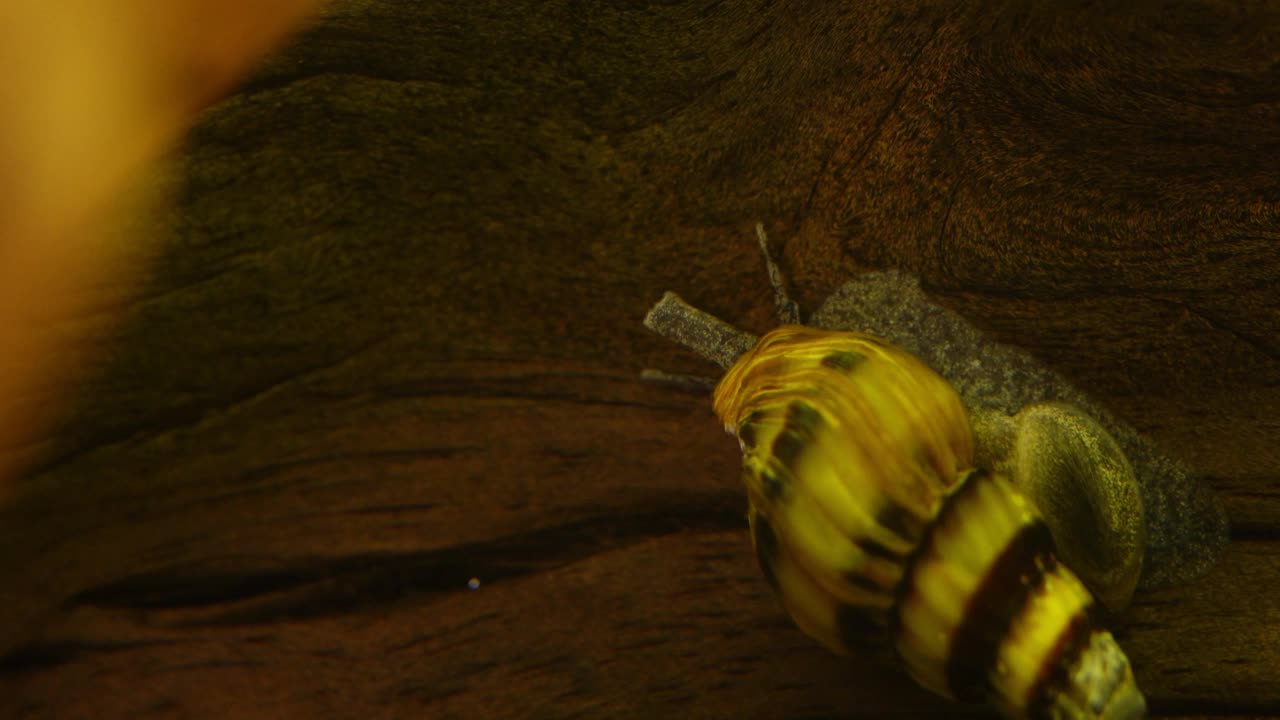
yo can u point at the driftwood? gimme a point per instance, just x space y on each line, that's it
393 348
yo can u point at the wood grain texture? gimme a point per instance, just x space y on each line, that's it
394 344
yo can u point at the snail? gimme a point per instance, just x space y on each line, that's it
970 541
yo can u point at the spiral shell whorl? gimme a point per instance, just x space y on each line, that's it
869 522
863 403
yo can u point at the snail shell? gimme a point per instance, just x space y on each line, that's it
871 523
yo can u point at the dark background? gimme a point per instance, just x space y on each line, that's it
393 343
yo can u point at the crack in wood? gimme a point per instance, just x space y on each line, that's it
329 586
41 656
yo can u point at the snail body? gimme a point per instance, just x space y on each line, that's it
940 521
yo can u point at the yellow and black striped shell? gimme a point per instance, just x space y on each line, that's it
871 523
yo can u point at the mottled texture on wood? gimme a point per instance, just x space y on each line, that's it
394 344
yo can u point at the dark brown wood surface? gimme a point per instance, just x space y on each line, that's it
393 344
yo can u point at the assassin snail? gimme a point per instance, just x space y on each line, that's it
876 524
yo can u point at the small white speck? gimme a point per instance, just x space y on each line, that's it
473 583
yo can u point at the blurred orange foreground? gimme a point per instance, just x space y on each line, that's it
90 92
